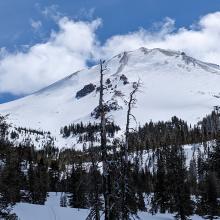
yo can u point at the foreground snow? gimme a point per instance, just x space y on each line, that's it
52 211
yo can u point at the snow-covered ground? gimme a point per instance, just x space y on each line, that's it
172 84
52 211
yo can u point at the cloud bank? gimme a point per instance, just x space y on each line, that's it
76 42
65 52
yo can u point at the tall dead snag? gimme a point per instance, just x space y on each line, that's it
132 101
105 165
125 185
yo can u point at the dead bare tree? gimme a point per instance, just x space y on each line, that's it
125 188
131 103
105 165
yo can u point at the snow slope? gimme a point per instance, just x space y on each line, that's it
172 84
52 211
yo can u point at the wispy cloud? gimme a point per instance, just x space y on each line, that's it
86 13
36 25
52 11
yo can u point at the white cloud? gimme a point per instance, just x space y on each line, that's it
201 40
68 49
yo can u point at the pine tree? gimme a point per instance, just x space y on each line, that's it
192 176
161 195
208 204
178 185
54 175
10 184
38 182
77 183
94 187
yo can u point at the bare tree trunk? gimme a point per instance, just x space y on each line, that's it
96 205
106 177
130 103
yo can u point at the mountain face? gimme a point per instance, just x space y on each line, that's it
172 83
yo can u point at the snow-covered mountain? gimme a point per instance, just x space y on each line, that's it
172 84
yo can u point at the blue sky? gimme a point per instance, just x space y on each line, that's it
119 16
25 23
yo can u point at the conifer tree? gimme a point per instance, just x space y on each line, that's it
9 187
77 183
38 182
94 187
208 205
178 183
161 197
